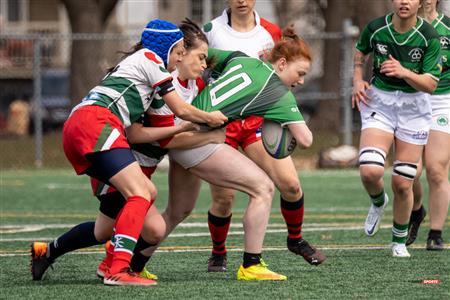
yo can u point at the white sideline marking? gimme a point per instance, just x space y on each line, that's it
207 234
32 227
188 250
16 228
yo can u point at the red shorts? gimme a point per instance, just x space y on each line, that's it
91 129
244 132
99 188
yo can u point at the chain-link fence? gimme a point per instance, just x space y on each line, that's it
35 79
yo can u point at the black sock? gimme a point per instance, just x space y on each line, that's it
139 260
294 241
251 259
417 214
434 234
80 236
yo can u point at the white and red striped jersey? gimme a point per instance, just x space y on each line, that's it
254 43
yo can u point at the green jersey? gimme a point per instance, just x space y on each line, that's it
442 25
417 50
247 87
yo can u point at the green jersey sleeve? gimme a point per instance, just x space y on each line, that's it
432 63
363 43
285 110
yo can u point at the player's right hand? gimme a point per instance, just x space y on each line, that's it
359 93
216 119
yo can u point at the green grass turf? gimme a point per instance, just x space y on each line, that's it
358 267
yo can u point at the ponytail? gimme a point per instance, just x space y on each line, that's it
291 47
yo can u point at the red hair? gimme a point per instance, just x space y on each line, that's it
291 47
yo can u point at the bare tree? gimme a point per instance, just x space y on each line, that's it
86 17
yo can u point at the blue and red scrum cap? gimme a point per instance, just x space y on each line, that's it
160 37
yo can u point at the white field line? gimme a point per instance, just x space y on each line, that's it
208 249
275 210
207 234
16 228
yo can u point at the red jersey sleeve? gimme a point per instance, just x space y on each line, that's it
200 84
272 29
152 120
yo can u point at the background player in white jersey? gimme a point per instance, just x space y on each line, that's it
265 93
437 151
395 109
94 142
241 28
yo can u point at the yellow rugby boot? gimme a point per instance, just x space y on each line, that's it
258 272
147 275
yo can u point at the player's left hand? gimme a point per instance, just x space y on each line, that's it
393 68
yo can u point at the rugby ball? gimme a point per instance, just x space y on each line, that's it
277 140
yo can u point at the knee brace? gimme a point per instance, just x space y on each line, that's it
404 169
372 156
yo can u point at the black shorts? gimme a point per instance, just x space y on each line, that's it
111 204
106 164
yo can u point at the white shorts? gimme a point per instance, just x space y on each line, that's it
440 105
189 158
406 115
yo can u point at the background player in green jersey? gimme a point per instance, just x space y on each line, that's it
395 109
437 151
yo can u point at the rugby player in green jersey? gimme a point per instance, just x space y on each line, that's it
437 151
245 86
240 28
395 109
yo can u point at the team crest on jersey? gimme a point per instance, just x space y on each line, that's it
382 49
207 27
445 42
415 54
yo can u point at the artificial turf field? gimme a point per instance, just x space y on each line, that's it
40 205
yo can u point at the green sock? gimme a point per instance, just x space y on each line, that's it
378 200
399 233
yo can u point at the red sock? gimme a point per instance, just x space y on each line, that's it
293 216
218 228
127 229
